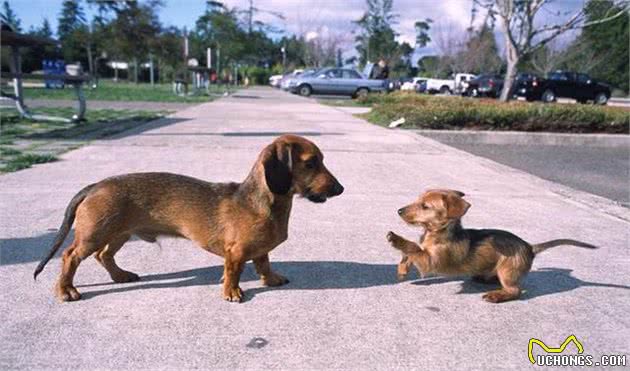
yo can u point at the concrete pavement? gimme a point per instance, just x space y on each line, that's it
594 163
343 308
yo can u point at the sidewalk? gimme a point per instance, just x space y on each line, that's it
344 308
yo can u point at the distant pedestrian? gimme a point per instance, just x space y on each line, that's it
383 70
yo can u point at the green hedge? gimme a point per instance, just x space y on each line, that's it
457 113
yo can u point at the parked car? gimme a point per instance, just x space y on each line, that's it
563 84
422 86
274 80
284 83
454 86
413 84
396 84
336 81
486 85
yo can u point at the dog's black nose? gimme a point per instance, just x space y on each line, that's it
337 189
400 211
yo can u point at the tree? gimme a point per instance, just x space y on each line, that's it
431 66
45 30
377 38
609 41
481 53
9 17
33 56
71 30
134 31
546 59
422 32
524 35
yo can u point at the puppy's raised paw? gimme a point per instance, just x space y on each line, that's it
392 237
396 241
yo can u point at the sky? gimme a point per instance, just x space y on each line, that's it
316 18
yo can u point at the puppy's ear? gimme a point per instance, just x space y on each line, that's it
277 161
456 206
442 190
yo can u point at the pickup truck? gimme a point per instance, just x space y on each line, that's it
562 84
454 86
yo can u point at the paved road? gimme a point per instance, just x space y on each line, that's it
598 170
344 308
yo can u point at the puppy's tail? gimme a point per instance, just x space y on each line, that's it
68 219
540 247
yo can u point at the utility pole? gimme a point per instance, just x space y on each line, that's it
251 15
284 58
151 75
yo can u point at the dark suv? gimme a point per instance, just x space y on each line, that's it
488 85
561 84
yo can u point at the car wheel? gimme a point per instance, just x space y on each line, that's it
474 93
445 90
601 99
361 92
305 90
530 99
549 96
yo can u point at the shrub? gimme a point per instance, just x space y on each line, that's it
258 75
457 113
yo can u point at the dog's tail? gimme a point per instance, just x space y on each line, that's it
540 247
68 219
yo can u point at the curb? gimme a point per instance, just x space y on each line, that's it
607 207
523 138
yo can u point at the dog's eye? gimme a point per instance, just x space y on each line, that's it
311 163
424 206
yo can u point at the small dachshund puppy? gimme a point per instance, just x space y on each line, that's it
238 221
447 248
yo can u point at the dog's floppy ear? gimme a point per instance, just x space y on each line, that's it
456 206
277 161
443 190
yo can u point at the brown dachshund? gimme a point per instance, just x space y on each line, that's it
447 248
238 221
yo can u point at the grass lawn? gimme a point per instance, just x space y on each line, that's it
334 102
24 142
459 113
124 91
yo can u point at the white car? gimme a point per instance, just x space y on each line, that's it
275 80
413 84
454 86
287 78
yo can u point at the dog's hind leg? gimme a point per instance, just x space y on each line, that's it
268 277
509 277
105 256
72 257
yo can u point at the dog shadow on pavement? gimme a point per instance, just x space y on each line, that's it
537 283
303 275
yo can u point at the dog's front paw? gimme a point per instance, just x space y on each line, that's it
67 293
391 236
395 240
232 294
274 279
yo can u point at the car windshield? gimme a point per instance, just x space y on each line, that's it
308 73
